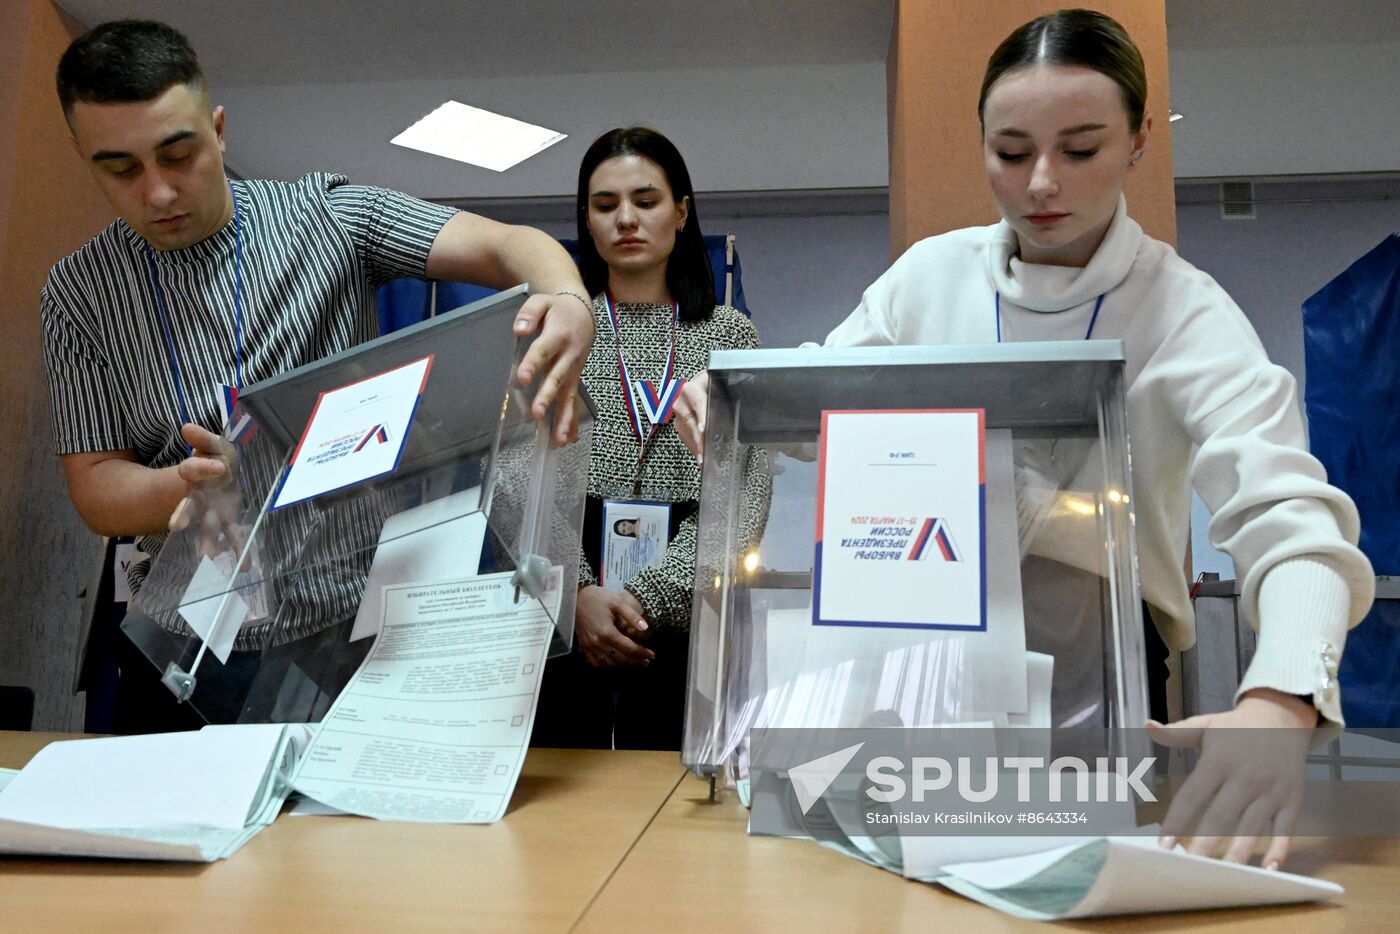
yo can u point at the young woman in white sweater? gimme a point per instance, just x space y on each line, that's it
1063 123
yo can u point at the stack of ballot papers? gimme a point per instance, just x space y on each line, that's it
846 676
1050 878
434 726
195 796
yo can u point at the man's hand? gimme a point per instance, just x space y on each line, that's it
1249 780
607 626
471 248
565 327
212 500
690 410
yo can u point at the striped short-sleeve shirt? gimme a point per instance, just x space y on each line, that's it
313 254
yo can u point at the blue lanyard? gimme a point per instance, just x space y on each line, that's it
237 314
1087 334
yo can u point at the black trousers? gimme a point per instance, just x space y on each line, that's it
1156 656
294 682
582 707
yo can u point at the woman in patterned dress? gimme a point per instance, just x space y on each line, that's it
644 262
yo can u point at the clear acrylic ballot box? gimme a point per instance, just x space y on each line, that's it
262 608
1059 643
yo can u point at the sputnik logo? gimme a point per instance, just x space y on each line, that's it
810 780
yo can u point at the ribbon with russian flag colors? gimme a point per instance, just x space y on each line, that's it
657 404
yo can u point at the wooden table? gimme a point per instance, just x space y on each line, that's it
593 841
574 815
695 868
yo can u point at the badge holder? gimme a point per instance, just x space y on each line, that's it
479 487
1060 554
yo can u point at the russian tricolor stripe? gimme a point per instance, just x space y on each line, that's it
228 402
377 433
657 405
934 530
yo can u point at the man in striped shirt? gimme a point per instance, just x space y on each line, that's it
203 283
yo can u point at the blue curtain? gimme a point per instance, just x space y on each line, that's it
1351 335
407 301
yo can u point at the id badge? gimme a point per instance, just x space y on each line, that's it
635 536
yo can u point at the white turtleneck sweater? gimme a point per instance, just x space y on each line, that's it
1205 407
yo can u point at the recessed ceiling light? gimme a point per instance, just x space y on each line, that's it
478 137
1173 117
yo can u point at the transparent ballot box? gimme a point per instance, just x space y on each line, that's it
265 604
1049 521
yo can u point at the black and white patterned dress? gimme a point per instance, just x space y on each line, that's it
669 473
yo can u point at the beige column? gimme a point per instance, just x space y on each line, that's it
49 206
938 54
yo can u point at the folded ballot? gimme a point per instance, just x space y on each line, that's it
194 796
1124 875
1047 879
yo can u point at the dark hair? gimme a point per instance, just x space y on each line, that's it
618 531
126 61
688 274
1075 37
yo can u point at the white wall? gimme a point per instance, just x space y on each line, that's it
1286 110
803 272
1304 235
792 127
804 275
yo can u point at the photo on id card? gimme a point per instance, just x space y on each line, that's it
635 536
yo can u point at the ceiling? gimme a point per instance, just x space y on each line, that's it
275 42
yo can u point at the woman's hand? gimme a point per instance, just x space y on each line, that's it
690 411
607 627
1249 780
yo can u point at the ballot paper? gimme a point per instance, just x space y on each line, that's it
440 540
212 607
1040 676
838 676
1048 878
435 724
926 857
355 433
191 796
1124 875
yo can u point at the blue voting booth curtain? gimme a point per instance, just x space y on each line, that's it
407 301
1351 335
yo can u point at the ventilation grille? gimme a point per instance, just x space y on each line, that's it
1237 201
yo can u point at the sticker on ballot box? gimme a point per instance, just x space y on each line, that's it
901 520
355 433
